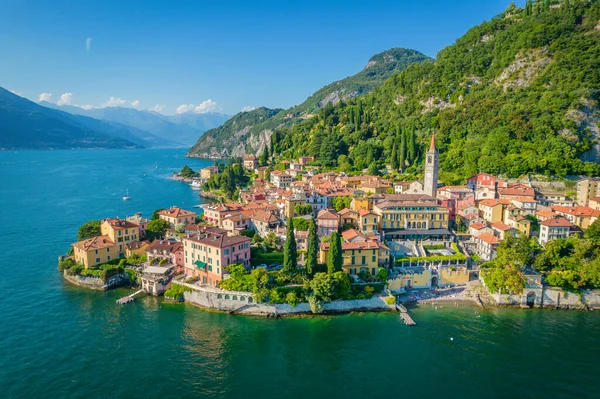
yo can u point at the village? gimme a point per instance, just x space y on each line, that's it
398 238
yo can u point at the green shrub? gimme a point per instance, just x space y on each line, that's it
391 300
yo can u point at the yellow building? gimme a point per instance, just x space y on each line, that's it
452 276
361 201
411 211
137 248
94 251
358 256
290 203
490 210
121 232
367 221
586 189
410 277
209 171
176 216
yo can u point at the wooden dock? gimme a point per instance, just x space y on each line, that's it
124 300
405 316
128 298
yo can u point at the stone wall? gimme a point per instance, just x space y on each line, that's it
550 297
243 303
95 282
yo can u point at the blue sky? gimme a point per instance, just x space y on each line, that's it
220 56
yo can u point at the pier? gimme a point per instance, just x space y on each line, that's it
405 316
128 298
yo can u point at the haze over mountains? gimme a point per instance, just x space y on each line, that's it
25 124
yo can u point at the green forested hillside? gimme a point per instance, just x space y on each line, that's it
518 94
249 132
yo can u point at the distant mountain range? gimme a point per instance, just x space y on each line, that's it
250 132
27 125
170 130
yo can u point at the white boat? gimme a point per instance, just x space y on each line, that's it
196 184
127 197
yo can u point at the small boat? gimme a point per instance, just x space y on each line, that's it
156 166
127 197
196 184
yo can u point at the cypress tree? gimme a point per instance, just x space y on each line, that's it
334 256
290 256
402 152
312 249
395 165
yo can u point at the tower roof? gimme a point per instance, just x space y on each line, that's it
432 145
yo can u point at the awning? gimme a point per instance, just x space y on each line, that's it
200 264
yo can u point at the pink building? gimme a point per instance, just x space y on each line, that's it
207 255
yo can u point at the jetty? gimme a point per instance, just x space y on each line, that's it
405 316
128 298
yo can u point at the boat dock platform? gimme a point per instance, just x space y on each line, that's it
128 299
405 316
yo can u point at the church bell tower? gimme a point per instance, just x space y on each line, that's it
431 169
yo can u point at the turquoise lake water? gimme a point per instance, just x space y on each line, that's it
60 341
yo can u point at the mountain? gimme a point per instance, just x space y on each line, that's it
167 131
251 137
138 136
235 135
27 125
515 95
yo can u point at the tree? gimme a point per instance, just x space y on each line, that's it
155 213
271 241
156 229
290 255
264 157
341 202
187 172
302 209
395 164
593 232
312 248
89 229
323 286
342 286
301 224
334 255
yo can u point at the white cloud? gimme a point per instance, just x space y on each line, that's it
86 107
45 97
88 44
248 108
18 93
203 107
157 108
135 103
114 102
65 99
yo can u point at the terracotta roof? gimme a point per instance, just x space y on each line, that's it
488 238
164 245
176 212
501 226
345 211
364 212
351 234
118 224
517 189
249 158
328 214
263 216
217 240
545 213
432 145
93 243
558 221
576 210
478 226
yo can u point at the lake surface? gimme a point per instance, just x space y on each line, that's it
60 341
